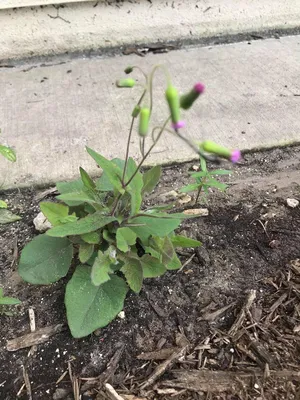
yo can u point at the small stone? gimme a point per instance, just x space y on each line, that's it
195 167
293 203
184 199
274 244
60 393
41 223
121 315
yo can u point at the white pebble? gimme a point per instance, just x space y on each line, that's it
293 203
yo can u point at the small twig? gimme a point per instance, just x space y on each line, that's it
242 314
161 368
186 263
214 315
113 395
27 383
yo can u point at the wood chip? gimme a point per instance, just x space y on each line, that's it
212 316
200 212
112 394
221 381
162 368
243 313
162 354
43 194
40 336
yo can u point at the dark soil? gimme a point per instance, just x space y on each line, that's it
249 237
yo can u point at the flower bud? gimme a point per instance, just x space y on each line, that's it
128 83
8 153
144 121
174 106
128 69
212 147
136 111
187 100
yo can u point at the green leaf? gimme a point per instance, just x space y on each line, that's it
8 153
77 197
92 237
220 172
103 183
152 267
54 212
154 225
9 301
182 241
86 179
6 217
87 224
113 172
71 187
151 178
45 260
203 164
216 184
101 269
125 238
90 307
164 246
86 251
189 188
135 187
199 174
3 204
174 263
68 218
133 271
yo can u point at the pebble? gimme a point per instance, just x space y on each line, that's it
293 203
41 223
121 315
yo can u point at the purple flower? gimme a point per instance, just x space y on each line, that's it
235 156
199 87
178 125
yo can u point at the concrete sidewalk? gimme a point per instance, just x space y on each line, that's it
50 113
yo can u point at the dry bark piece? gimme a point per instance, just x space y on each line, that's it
162 368
34 338
200 212
112 394
220 381
162 354
212 316
243 313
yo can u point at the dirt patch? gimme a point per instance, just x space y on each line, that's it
249 239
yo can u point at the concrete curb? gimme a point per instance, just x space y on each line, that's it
77 27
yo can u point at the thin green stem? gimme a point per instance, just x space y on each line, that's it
129 138
168 78
117 199
148 152
127 149
198 194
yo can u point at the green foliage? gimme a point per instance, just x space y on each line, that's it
90 307
8 301
103 228
205 179
45 260
6 216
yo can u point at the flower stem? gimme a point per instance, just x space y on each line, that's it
129 138
148 152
